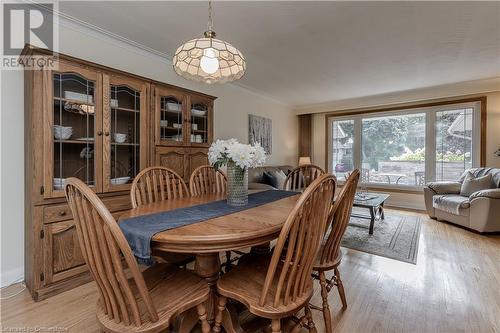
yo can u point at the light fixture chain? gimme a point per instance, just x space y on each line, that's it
210 15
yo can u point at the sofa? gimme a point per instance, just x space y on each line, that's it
256 176
479 211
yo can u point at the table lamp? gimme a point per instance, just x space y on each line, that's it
304 160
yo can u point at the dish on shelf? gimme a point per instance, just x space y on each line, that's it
87 152
79 97
196 138
120 137
120 180
82 109
85 139
199 113
58 183
194 127
174 138
163 123
113 103
62 132
173 106
176 125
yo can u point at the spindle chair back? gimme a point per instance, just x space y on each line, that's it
155 184
339 218
298 244
103 245
302 176
206 180
330 255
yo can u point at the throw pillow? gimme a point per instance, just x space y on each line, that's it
472 184
280 178
269 179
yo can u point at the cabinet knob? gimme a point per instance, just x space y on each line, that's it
106 133
99 133
62 213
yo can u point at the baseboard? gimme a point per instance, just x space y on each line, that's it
11 276
405 205
408 209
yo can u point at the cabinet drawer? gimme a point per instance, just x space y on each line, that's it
56 213
62 212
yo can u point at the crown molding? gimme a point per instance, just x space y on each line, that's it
76 24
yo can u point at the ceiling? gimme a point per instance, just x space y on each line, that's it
304 53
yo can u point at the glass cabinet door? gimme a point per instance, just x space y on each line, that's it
200 121
124 112
74 119
171 125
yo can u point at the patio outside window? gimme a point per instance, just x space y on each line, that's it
407 147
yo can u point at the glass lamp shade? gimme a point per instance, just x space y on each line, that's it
209 60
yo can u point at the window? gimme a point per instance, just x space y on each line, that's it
393 149
406 147
342 153
453 143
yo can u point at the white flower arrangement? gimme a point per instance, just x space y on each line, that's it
222 152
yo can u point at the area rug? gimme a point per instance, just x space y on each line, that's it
395 237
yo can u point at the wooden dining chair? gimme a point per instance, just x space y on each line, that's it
330 255
302 176
206 180
279 285
129 301
155 184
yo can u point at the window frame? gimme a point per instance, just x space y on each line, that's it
430 109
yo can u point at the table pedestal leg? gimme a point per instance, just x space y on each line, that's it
207 266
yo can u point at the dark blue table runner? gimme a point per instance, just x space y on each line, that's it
140 229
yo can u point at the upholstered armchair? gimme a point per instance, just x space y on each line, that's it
480 211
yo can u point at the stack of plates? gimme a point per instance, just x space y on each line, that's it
120 137
58 183
173 106
78 96
120 180
62 132
196 138
198 112
176 137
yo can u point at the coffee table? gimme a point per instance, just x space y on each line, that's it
374 202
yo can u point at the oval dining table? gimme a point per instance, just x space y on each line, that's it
249 228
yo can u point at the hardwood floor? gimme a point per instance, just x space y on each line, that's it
455 287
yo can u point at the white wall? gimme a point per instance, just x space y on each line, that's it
231 121
414 201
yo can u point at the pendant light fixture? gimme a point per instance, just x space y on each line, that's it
209 60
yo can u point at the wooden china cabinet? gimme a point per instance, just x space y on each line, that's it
102 126
183 131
